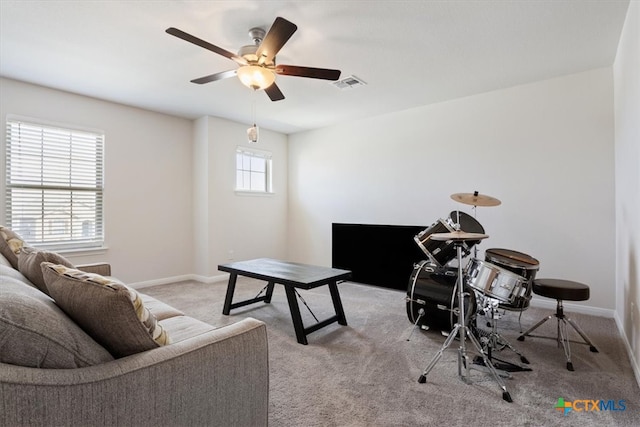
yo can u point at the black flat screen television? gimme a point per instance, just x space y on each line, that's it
380 255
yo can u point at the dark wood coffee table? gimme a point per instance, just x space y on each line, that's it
291 275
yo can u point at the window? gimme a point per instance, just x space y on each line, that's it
54 187
253 170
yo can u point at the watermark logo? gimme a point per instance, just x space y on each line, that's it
589 405
563 406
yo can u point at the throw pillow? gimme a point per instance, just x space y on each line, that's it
35 332
109 311
10 245
29 260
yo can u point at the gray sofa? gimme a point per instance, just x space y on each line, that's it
203 376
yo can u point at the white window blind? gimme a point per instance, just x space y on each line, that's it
54 187
253 170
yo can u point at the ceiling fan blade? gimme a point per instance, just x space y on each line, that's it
313 73
274 92
278 34
215 77
204 44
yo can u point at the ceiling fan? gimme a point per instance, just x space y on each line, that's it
257 62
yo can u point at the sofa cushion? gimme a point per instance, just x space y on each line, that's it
184 327
8 271
110 312
36 333
10 245
4 260
160 310
29 260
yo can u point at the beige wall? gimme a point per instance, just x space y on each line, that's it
235 226
627 155
171 212
544 149
147 179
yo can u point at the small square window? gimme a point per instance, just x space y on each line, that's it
253 170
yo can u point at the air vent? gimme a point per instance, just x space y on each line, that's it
350 82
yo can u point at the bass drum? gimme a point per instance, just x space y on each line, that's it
433 289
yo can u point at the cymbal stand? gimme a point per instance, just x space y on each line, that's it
475 247
464 331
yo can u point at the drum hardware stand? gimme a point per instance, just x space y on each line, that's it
475 211
492 340
520 319
464 331
415 325
475 199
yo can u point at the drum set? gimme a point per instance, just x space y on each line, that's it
501 282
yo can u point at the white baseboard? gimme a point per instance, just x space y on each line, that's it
574 308
627 344
184 278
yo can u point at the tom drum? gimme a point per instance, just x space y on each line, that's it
442 252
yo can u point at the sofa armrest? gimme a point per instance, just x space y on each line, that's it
218 378
101 268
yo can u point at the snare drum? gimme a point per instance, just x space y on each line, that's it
493 281
520 263
432 288
441 252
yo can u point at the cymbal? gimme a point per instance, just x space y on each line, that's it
475 199
458 235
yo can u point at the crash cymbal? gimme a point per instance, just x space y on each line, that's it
458 235
475 199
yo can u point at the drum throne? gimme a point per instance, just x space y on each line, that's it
561 290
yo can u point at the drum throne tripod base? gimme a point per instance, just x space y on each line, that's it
461 329
562 290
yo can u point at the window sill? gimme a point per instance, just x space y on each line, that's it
83 251
254 193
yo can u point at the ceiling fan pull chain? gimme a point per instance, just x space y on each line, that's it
252 132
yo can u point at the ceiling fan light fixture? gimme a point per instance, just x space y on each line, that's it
256 77
252 134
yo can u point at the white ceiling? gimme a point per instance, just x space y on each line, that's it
410 53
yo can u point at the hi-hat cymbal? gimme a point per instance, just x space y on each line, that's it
475 199
458 235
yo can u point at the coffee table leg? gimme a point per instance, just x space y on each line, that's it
337 303
231 287
267 297
295 314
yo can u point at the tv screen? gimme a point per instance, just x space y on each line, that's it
380 255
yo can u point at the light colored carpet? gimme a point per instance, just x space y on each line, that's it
365 374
